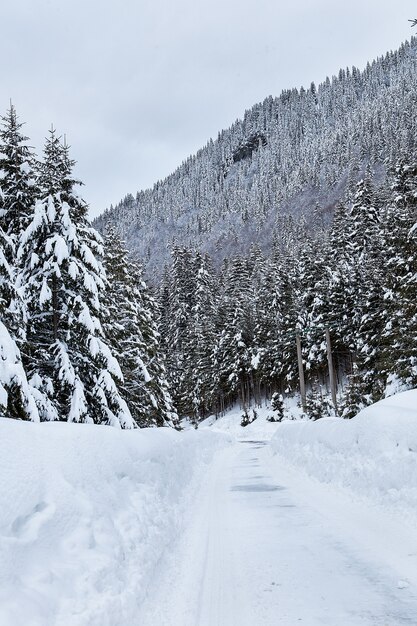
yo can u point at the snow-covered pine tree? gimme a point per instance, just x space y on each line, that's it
61 277
176 314
354 398
233 349
159 390
16 395
367 274
317 405
17 179
277 405
398 359
130 327
200 344
17 198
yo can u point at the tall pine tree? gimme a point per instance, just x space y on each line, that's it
62 278
129 323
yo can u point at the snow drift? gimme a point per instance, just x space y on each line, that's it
86 513
374 454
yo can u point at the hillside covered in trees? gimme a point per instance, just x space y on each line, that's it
297 220
297 154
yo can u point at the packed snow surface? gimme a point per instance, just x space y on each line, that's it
86 512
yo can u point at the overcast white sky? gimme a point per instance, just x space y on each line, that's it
138 85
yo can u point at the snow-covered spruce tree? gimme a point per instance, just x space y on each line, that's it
367 275
200 346
354 398
16 397
233 349
277 405
316 404
18 192
158 387
176 313
313 302
398 356
130 327
17 179
16 199
245 421
61 277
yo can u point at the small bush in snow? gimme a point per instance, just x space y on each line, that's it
317 405
245 418
277 404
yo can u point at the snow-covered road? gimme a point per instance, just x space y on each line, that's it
265 545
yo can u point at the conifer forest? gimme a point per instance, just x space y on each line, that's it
208 387
300 218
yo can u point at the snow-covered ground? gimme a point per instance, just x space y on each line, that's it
374 455
298 522
86 512
267 544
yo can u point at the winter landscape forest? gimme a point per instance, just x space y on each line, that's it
208 392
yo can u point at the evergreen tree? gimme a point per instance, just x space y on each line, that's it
200 347
61 277
16 395
18 179
316 404
354 398
131 330
398 359
277 405
176 326
245 421
234 348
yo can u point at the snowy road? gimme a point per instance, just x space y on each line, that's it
266 546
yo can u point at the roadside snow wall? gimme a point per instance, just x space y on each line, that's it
374 454
86 513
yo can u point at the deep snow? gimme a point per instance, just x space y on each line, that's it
298 522
373 455
86 512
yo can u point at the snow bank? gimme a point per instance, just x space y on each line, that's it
231 424
260 428
86 513
374 454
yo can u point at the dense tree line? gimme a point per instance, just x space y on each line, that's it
230 335
77 344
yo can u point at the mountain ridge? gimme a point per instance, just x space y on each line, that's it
293 155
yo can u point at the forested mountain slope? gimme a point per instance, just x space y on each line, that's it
295 155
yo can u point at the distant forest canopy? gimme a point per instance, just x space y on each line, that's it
294 156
